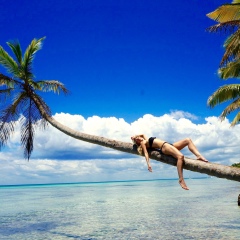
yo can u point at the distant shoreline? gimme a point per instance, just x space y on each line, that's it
86 183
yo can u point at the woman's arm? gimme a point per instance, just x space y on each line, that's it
143 144
142 136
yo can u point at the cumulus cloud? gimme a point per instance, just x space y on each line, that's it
60 158
181 114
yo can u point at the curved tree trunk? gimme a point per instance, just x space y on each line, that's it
212 169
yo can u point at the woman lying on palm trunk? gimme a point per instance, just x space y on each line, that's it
144 143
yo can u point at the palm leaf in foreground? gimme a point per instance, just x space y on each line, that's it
226 13
228 18
223 94
232 70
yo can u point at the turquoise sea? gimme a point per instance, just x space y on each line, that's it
157 209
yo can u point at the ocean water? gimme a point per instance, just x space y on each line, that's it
157 209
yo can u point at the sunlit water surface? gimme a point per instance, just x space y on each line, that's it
122 210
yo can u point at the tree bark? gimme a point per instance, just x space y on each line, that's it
212 169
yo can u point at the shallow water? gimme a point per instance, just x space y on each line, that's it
122 210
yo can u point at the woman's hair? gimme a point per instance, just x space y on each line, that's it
139 147
140 150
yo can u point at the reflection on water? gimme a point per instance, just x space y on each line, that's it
122 210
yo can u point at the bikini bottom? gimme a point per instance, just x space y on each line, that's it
163 145
159 149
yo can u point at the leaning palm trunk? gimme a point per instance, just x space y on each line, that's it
212 169
27 102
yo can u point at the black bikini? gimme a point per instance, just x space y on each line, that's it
150 141
163 145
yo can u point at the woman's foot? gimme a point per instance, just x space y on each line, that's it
202 158
183 184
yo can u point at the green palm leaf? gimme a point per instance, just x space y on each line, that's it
226 13
52 85
34 46
16 48
8 62
230 108
4 80
236 120
228 16
232 70
226 93
232 47
223 94
8 82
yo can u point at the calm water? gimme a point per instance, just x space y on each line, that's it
122 210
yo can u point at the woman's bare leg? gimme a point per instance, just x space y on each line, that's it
188 142
173 151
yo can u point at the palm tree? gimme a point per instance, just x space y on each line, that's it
228 18
22 100
20 94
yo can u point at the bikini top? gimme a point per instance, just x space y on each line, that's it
150 141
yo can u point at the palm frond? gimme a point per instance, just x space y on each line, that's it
225 27
236 1
31 119
232 70
223 94
8 118
6 129
4 80
34 46
27 129
27 137
230 108
5 93
236 120
16 48
8 82
232 47
226 13
52 85
9 63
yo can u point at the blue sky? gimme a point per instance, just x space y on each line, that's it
121 60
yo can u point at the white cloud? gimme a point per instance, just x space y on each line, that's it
59 158
176 114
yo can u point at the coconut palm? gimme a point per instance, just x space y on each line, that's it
228 18
22 99
19 95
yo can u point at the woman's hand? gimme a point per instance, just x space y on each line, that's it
149 168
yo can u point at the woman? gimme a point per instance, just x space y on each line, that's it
169 149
